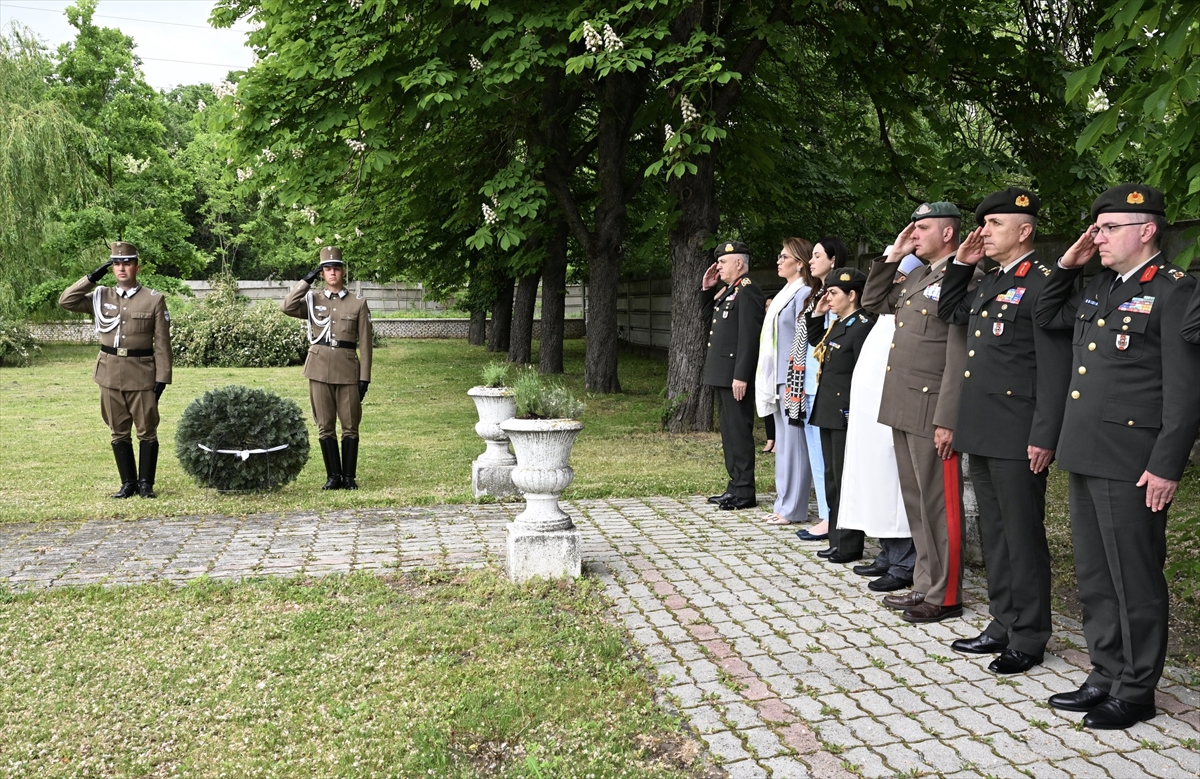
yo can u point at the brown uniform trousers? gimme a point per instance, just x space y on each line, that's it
333 371
127 382
920 392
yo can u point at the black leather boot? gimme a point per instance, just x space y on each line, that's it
333 464
349 463
147 464
126 467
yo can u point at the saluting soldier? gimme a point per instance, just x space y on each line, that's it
1009 418
737 310
837 354
134 364
338 366
920 403
1130 422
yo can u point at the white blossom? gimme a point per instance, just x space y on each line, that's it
668 132
358 232
318 241
475 63
274 122
489 215
133 165
244 173
690 114
310 214
356 4
297 153
268 155
201 105
591 38
611 41
357 146
225 89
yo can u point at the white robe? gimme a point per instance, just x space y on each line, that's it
871 499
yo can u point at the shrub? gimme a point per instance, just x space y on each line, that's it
537 399
236 418
225 331
495 374
16 342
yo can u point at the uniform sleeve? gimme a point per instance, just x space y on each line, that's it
1059 302
366 335
751 311
1052 353
954 304
293 304
708 300
162 341
77 297
1181 377
881 293
946 413
1191 319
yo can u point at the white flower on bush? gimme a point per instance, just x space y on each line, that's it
268 155
244 174
309 213
358 232
474 62
356 4
337 238
611 41
201 105
318 240
668 132
225 89
297 153
133 165
591 38
358 146
489 215
690 114
274 122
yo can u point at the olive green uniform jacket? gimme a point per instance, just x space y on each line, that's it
144 323
349 321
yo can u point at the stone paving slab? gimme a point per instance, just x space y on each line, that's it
784 665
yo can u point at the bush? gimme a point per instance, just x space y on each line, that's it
225 331
537 399
16 343
240 418
495 374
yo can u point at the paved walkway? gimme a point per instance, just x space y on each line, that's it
785 665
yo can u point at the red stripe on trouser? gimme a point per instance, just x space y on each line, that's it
953 528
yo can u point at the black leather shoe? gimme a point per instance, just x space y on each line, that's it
871 570
843 558
733 504
889 583
825 554
983 644
717 500
1085 698
1011 661
804 535
1116 714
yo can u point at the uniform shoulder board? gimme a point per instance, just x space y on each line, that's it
864 317
1175 273
745 282
1023 269
1045 271
1149 273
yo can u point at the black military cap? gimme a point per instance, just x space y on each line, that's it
940 209
1130 199
331 256
846 279
1013 200
730 247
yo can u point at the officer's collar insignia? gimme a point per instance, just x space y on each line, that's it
729 248
1024 267
844 277
849 322
1022 201
1135 198
1150 269
1176 274
924 209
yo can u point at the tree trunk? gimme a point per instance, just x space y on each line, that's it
554 301
477 331
502 311
520 346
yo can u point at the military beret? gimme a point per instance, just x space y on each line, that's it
123 251
846 279
331 255
1130 199
938 209
1013 200
730 247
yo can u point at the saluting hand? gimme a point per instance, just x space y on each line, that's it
1159 491
1039 458
98 274
904 243
312 275
711 277
970 251
1082 250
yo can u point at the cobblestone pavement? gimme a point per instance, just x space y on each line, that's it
786 666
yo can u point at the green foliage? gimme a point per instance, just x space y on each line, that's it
225 331
496 374
241 418
16 342
538 398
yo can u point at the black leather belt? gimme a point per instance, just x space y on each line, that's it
338 344
127 352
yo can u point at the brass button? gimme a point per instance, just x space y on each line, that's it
899 324
1082 370
1008 393
976 333
1091 347
971 353
1127 320
1124 327
1075 394
889 367
908 302
983 314
1004 307
893 346
967 374
924 389
1099 323
710 343
710 332
924 312
839 394
999 316
1131 423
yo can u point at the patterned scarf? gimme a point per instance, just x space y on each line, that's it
793 394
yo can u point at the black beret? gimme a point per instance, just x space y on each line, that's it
730 247
940 209
1013 200
846 279
1130 199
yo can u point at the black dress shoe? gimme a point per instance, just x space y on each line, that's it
733 504
889 583
843 558
983 644
1085 698
871 570
1116 714
717 500
1011 661
825 554
804 535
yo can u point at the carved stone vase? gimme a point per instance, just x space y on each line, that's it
491 473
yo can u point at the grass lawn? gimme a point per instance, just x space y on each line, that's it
446 675
418 437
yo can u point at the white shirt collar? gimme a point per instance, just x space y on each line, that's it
126 293
340 295
1127 276
1006 268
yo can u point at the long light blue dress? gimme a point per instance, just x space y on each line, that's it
793 477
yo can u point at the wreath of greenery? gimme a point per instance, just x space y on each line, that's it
237 418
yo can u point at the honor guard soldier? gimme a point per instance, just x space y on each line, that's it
837 354
134 364
737 311
338 366
1009 418
1130 422
920 403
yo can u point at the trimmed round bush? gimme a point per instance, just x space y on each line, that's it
242 419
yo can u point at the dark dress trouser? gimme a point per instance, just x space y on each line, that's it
833 451
1012 514
737 439
1120 550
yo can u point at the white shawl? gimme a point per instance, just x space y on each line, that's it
766 399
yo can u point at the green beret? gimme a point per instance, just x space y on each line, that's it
1013 200
934 210
1130 199
730 247
846 279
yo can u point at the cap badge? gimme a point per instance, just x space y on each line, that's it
1122 341
1135 198
729 247
844 277
924 209
1022 201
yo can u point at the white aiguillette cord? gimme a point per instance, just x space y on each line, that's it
312 319
105 324
243 453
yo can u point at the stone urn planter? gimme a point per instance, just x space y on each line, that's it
542 540
491 473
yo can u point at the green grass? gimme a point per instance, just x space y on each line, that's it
440 674
418 437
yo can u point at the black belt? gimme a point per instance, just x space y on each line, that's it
127 352
337 344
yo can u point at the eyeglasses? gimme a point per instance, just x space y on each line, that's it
1107 230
